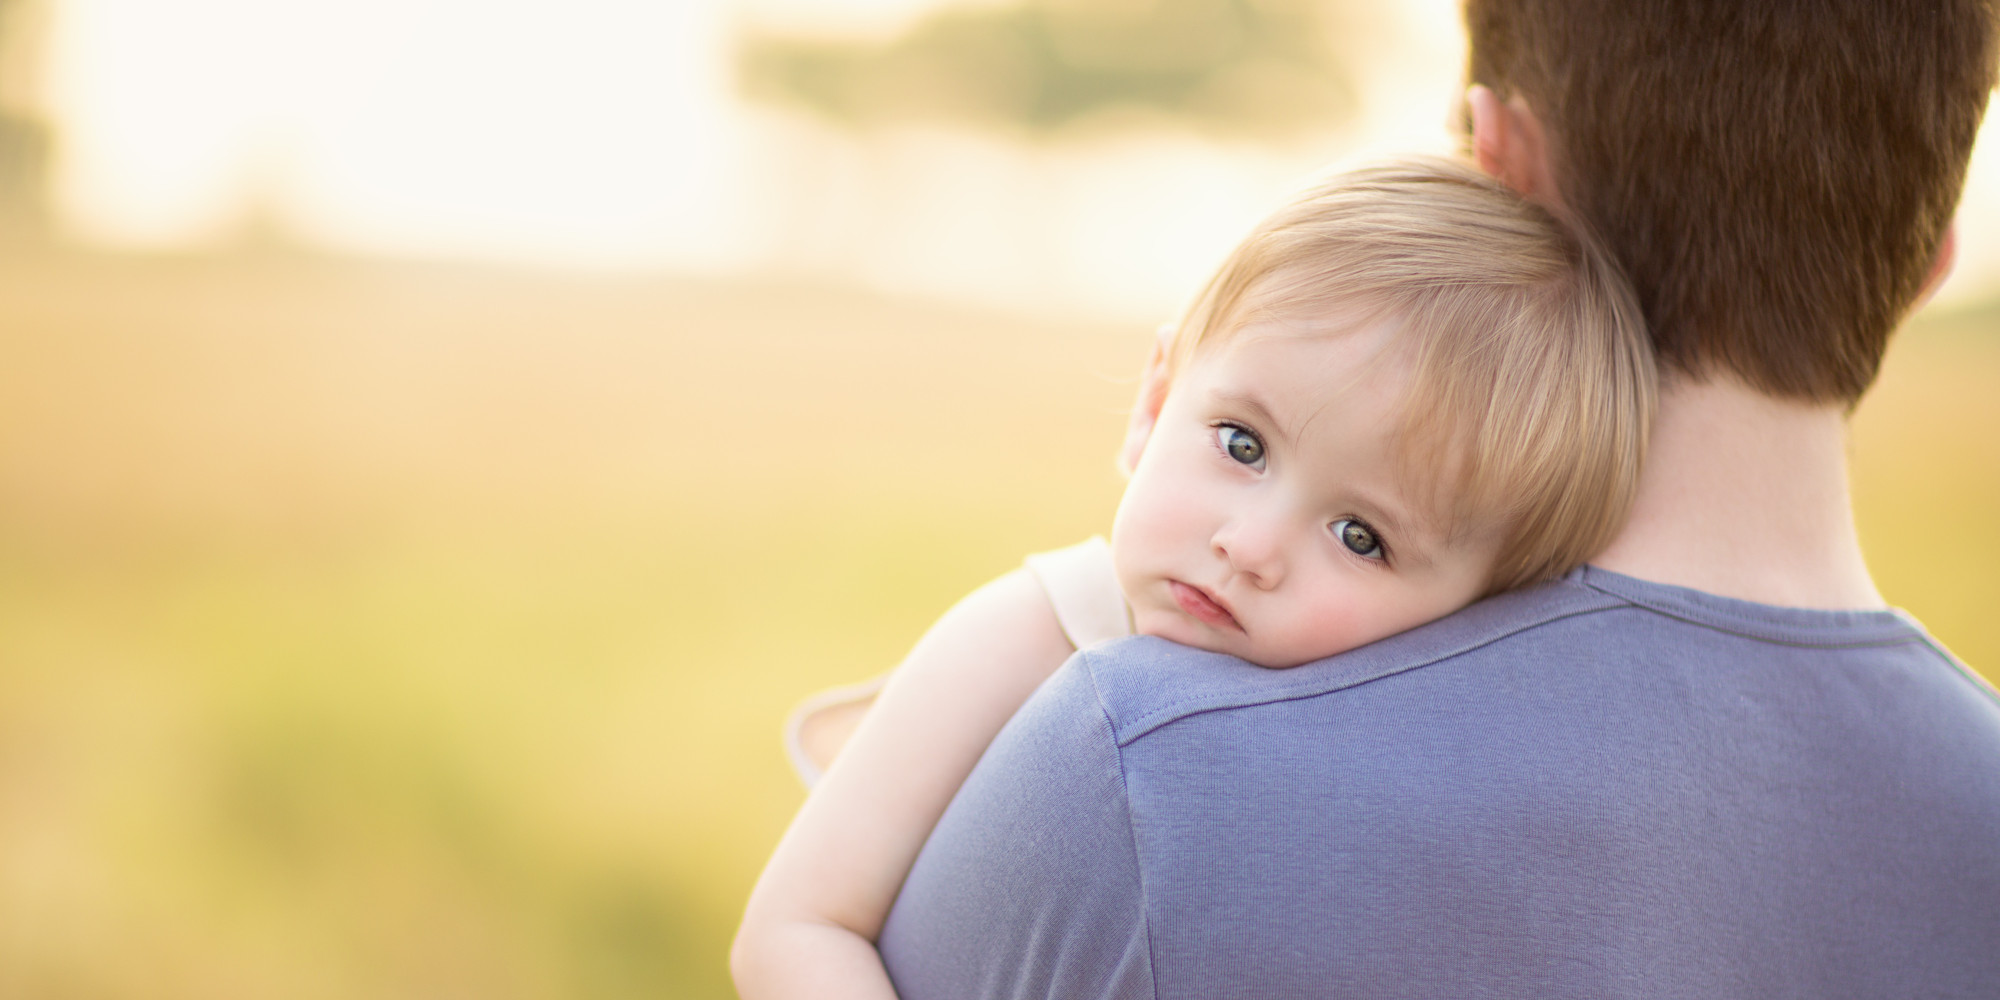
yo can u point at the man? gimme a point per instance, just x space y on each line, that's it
1675 773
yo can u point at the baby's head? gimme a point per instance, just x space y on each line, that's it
1405 390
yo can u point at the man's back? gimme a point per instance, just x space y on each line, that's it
1599 788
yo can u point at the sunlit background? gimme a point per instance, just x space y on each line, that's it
439 439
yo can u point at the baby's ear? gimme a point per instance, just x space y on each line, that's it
1152 396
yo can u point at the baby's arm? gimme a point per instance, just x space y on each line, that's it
810 927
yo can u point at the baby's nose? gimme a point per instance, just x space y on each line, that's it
1255 548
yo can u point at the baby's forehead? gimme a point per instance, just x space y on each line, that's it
1303 305
1307 365
1350 337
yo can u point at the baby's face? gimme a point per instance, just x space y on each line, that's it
1267 517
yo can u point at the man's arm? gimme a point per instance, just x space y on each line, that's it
1030 884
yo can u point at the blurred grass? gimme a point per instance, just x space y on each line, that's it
394 631
1926 453
370 631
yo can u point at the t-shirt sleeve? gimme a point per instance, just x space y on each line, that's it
1030 885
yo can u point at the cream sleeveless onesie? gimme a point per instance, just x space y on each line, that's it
1082 587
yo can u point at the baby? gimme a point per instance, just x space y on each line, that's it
1406 390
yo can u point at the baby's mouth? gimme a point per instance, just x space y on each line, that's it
1205 609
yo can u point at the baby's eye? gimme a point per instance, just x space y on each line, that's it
1359 538
1240 445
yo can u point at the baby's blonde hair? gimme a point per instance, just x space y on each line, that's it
1532 382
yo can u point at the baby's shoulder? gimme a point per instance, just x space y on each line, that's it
1081 584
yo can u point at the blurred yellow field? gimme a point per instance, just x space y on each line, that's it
391 631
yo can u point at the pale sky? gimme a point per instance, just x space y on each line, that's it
606 133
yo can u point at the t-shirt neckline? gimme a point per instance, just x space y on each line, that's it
1768 622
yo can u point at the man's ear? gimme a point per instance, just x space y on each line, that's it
1508 142
1152 396
1947 255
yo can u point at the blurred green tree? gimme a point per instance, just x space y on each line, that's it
1232 66
24 139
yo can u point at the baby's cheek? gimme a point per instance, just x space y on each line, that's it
1148 522
1334 623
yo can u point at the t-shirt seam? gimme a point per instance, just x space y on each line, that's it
1131 826
1745 630
1159 717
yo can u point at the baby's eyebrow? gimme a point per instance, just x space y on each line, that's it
1250 401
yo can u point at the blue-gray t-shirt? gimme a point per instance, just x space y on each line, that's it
1597 788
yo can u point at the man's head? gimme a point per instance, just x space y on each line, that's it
1777 177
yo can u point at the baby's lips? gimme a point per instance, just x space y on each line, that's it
1202 607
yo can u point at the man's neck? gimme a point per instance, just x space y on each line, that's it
1745 496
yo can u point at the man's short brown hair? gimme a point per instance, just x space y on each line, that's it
1776 176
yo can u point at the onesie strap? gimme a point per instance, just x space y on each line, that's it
1083 589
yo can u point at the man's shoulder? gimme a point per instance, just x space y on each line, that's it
1481 799
1590 616
1478 801
1144 683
